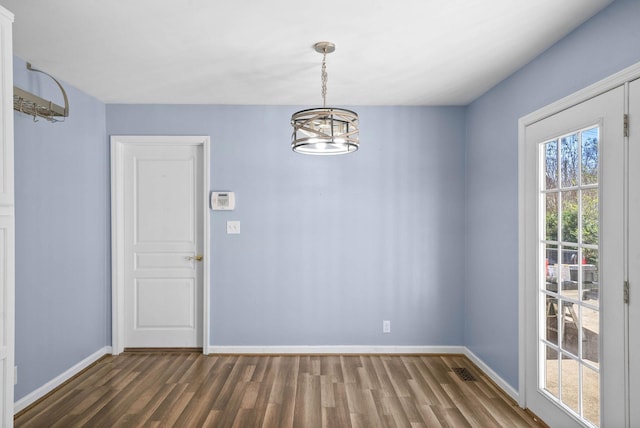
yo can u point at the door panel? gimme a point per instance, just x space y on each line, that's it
165 303
574 269
163 217
164 200
163 261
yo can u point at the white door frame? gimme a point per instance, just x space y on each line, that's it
598 88
7 223
118 144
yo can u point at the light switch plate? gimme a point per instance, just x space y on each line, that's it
233 227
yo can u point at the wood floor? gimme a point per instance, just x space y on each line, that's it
188 389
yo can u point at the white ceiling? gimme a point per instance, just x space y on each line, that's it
401 52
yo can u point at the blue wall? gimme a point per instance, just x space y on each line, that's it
330 246
602 46
62 235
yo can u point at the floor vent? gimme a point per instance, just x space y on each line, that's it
464 374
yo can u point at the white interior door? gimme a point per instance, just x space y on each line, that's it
163 245
575 265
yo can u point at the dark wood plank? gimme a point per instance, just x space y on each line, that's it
187 389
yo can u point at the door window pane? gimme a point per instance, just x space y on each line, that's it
551 217
551 268
568 327
591 395
568 272
553 319
569 227
590 159
590 232
569 160
552 371
570 381
590 323
551 164
590 280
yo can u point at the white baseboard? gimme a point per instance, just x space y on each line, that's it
347 349
493 375
34 396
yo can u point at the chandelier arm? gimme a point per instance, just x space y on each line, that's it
313 131
303 125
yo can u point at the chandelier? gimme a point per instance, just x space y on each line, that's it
325 130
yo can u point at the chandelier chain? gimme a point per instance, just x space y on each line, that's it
324 79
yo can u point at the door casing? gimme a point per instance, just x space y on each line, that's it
634 250
118 143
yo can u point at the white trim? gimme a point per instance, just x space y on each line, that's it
7 312
508 389
6 14
34 396
117 233
7 197
117 256
206 221
337 349
7 220
522 258
626 75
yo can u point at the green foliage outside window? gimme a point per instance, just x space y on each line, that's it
565 169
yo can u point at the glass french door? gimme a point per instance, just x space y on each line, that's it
575 268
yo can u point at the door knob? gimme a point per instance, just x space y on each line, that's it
196 258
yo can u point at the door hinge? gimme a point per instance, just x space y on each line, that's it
625 292
626 125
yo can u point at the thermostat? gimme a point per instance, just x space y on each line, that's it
223 201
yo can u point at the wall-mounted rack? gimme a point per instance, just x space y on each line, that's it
35 106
